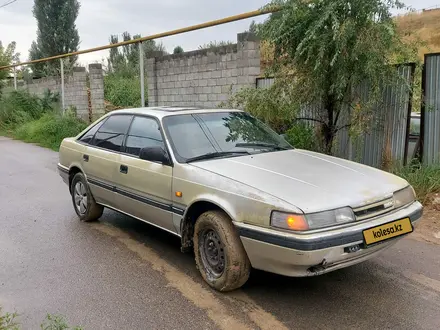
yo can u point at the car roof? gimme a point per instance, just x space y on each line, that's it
164 111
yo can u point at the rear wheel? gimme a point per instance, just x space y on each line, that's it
220 255
83 201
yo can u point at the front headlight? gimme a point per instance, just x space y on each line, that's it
301 222
404 197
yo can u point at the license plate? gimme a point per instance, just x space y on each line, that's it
387 231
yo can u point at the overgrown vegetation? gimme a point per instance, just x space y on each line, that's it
122 80
424 179
37 120
122 91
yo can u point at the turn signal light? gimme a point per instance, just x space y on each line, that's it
295 222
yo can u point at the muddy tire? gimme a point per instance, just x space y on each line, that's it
83 201
219 253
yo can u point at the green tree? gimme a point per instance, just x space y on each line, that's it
325 49
151 47
7 57
178 50
124 60
56 34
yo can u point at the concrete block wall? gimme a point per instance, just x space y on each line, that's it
75 90
204 77
96 78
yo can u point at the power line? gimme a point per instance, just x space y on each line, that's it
7 3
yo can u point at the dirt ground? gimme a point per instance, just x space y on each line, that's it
428 228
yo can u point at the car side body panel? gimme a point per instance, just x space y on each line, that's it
100 170
145 191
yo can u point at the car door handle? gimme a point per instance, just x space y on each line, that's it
123 169
86 158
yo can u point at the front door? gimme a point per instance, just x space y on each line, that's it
143 188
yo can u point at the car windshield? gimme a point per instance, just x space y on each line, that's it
219 134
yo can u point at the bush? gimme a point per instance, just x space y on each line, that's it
19 107
424 179
302 136
123 91
272 105
49 130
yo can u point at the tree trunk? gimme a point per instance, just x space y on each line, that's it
329 127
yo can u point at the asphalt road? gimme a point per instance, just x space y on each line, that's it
123 274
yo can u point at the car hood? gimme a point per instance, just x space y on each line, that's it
310 181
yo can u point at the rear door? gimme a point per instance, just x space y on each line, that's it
101 158
144 187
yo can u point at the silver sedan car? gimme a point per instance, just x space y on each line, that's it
235 192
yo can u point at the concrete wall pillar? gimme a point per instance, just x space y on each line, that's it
96 79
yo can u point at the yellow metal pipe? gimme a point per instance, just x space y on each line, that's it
155 36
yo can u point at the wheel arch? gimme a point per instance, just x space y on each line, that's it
73 170
192 213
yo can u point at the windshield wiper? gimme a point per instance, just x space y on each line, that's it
260 145
217 155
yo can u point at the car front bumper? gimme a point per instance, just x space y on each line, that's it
300 255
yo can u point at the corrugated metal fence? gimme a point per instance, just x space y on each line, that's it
431 110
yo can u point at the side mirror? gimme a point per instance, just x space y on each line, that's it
154 154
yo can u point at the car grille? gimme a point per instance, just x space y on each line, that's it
374 210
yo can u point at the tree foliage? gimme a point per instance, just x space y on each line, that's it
7 57
124 60
325 49
56 34
178 50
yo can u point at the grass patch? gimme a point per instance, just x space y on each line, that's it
424 179
49 130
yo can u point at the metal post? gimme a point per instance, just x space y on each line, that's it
141 68
15 78
62 85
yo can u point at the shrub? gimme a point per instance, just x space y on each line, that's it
123 91
272 105
302 136
49 130
424 179
19 107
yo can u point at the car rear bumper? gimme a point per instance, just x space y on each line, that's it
64 173
313 254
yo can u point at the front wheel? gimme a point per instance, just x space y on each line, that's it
219 253
83 201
